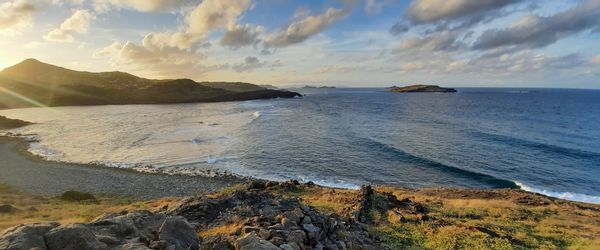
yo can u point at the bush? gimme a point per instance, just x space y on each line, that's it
76 196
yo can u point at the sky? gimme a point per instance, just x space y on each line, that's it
352 43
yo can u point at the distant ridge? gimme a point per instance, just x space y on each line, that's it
421 88
33 83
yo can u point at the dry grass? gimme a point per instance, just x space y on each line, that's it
45 209
224 229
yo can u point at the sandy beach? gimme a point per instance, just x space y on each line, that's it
32 174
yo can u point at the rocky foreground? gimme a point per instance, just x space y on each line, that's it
290 215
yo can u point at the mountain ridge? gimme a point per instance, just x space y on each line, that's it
34 83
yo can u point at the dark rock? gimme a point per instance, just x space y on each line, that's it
366 203
296 236
179 233
76 196
26 236
252 242
8 209
72 237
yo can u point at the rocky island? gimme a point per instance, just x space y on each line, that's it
421 88
47 85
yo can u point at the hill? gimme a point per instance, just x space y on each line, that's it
422 88
34 83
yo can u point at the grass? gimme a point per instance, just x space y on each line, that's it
45 209
468 223
460 220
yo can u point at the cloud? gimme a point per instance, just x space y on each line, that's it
438 41
305 28
534 31
78 23
16 15
595 60
176 53
142 5
252 63
241 36
429 11
374 7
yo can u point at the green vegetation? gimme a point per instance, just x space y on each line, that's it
470 221
399 218
32 208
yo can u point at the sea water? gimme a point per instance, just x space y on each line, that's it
543 140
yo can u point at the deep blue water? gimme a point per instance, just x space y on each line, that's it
547 140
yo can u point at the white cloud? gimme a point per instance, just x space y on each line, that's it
78 23
142 5
16 15
305 28
175 53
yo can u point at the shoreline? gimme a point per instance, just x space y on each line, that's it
33 174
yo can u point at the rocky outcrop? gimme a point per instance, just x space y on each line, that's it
261 215
421 88
272 221
135 230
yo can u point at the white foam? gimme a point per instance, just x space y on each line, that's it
256 114
561 195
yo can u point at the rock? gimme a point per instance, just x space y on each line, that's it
72 237
249 229
331 247
366 204
135 246
8 209
26 236
277 240
306 220
288 223
252 242
179 233
295 215
297 236
310 228
264 233
76 196
290 246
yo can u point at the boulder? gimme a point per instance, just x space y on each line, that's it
8 209
73 237
26 236
179 233
252 242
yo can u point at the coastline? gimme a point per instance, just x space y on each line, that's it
35 175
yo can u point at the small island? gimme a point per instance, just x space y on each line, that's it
421 88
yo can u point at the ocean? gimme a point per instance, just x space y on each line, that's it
541 140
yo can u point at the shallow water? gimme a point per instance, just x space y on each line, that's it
547 140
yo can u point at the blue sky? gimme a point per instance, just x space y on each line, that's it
368 43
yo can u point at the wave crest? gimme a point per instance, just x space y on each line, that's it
561 195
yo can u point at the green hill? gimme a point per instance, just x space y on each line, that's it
34 83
